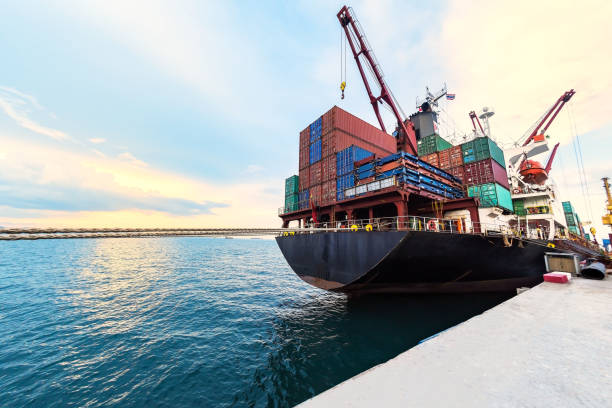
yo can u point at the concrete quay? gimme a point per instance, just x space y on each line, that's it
550 346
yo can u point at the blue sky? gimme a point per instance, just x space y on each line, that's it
208 98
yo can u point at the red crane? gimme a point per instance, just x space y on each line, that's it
473 116
538 136
406 138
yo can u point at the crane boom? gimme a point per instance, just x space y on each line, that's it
546 121
359 46
473 116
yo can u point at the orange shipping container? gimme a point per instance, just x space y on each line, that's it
456 156
315 194
431 159
328 192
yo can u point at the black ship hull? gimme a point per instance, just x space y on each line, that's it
414 261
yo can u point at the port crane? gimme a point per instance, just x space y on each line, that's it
607 218
364 56
522 167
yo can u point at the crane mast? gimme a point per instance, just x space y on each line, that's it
359 47
546 121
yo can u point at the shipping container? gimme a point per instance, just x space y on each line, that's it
567 207
342 183
304 179
449 158
570 219
291 202
291 185
315 194
432 144
314 174
485 171
519 207
328 144
305 138
328 192
370 136
316 130
303 200
304 157
328 168
574 230
491 195
315 152
458 172
345 159
431 159
482 148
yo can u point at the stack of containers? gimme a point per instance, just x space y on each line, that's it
573 222
291 194
431 144
484 173
334 132
345 166
491 195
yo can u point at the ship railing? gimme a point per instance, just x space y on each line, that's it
415 223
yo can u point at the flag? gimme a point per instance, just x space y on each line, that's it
450 97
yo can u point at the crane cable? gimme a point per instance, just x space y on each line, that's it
576 145
343 51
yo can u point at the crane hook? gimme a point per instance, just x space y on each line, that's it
342 86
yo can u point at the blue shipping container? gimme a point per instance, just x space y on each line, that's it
315 151
303 198
342 183
315 130
345 159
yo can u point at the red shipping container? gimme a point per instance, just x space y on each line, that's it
315 194
458 172
304 179
556 277
359 128
485 171
304 157
389 166
305 138
364 161
431 159
315 173
328 145
366 180
328 168
328 192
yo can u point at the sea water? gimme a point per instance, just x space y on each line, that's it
190 321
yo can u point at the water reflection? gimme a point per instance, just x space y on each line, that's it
321 342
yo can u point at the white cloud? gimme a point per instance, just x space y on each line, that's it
97 140
129 158
16 105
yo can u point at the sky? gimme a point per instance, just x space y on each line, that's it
168 114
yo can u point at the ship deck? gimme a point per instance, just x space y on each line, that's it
549 346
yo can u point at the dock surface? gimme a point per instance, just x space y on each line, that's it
550 346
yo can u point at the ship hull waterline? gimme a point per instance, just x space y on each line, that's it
414 261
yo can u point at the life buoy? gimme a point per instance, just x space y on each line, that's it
354 227
286 234
431 225
368 227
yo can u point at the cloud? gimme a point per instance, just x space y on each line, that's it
129 158
16 105
520 56
97 140
55 186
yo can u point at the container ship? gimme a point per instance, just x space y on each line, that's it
411 212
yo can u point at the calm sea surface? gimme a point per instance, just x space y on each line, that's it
189 322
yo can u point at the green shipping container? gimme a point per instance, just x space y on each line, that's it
574 230
519 207
491 195
432 144
482 148
291 203
567 207
291 185
571 220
